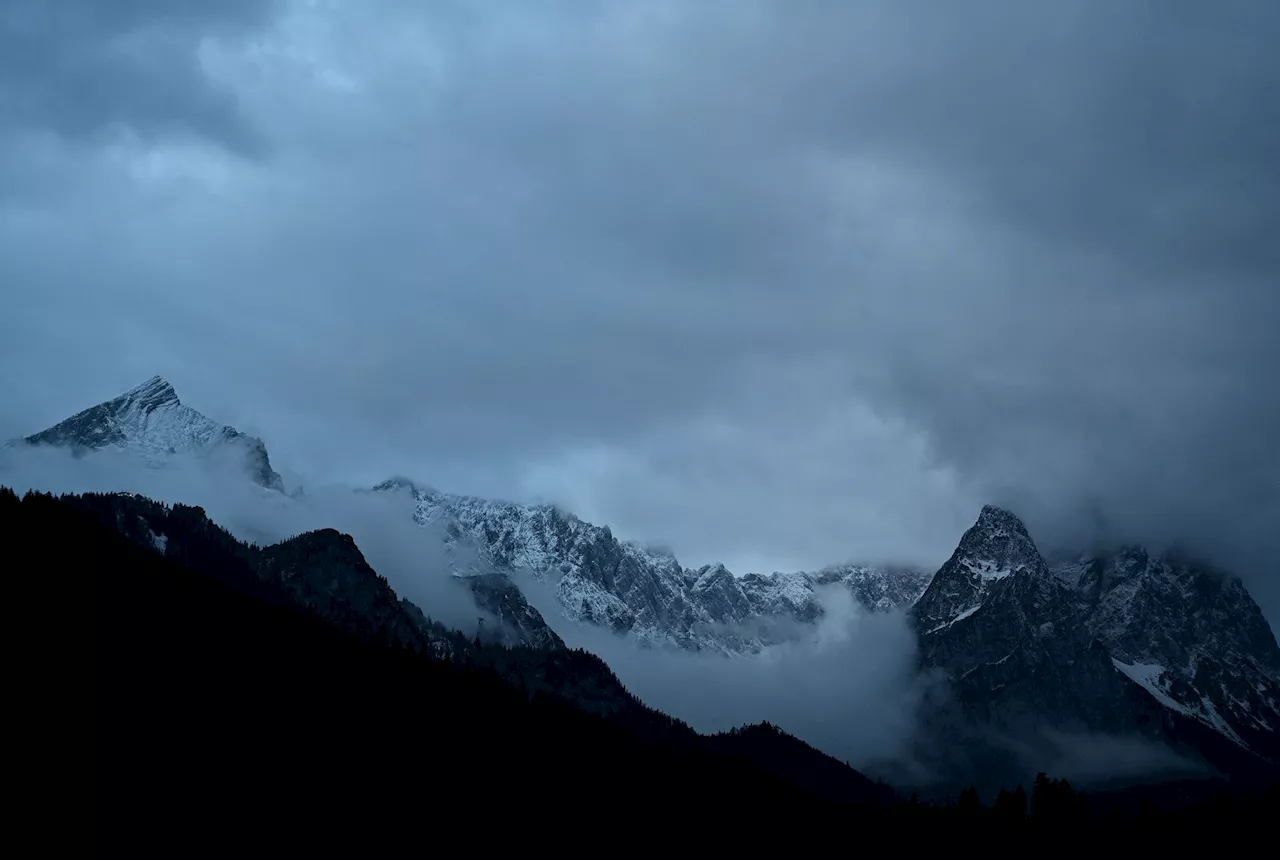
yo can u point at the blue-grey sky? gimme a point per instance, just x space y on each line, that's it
774 283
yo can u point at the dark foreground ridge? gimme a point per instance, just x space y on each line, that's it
225 707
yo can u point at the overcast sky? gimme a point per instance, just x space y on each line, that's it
777 284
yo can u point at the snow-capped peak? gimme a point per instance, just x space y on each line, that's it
150 422
996 519
998 545
152 394
994 549
399 482
1191 638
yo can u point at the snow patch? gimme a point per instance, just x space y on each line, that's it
160 542
1003 659
1213 718
986 569
1147 676
961 617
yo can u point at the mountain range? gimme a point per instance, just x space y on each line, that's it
1129 643
640 591
203 689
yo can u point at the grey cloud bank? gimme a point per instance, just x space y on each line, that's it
79 68
849 687
777 287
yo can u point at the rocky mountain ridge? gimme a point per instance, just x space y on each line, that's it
621 586
642 591
1188 634
144 567
1118 644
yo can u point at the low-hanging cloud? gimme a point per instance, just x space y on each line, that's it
413 558
85 70
849 685
1098 760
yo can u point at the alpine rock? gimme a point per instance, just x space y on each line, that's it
151 422
643 591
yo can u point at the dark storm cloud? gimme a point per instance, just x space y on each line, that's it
1131 370
1147 129
778 285
80 68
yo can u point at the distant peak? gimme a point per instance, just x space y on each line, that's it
155 383
997 518
152 393
998 544
654 549
711 571
399 482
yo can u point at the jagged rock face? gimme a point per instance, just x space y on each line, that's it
598 580
720 595
1012 636
513 620
879 589
784 603
782 595
995 555
1085 646
637 590
151 422
1189 635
